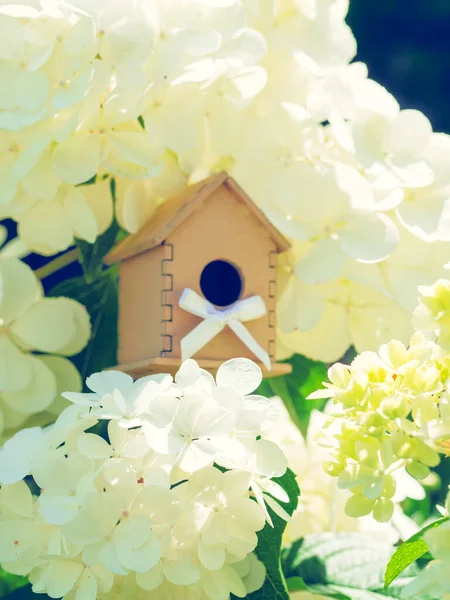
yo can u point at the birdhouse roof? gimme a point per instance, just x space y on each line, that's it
173 212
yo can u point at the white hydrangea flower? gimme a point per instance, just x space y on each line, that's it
31 383
146 512
158 95
49 225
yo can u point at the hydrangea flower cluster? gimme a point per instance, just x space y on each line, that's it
392 411
34 332
168 506
157 94
321 505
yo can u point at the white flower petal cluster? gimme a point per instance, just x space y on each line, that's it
149 96
35 335
167 505
321 505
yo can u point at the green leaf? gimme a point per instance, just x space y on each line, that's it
357 594
306 377
396 589
101 301
296 584
409 552
349 560
330 592
92 255
269 545
10 582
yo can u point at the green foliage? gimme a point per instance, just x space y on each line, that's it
269 545
9 583
346 566
92 255
101 301
296 584
306 377
410 551
97 290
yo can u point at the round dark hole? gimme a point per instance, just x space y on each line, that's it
221 283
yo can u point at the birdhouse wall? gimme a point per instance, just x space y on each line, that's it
223 228
141 311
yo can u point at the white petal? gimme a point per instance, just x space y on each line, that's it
74 91
327 341
138 148
369 237
277 509
93 446
372 327
133 532
67 378
15 369
299 307
99 199
356 186
62 577
107 381
77 159
241 374
142 559
45 227
188 373
151 579
9 184
57 509
82 329
410 131
80 35
32 89
136 204
197 455
427 215
211 557
298 230
270 459
324 262
47 326
411 170
41 182
38 394
80 215
181 572
20 289
250 82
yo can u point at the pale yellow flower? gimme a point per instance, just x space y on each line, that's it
31 383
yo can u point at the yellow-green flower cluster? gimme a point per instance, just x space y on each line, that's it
433 313
392 410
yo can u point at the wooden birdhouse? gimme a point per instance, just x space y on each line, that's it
199 280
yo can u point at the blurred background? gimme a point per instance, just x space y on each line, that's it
406 44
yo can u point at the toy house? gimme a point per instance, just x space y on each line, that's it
199 280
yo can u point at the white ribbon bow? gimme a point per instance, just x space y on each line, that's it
215 320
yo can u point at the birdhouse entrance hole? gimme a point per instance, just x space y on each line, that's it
221 283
